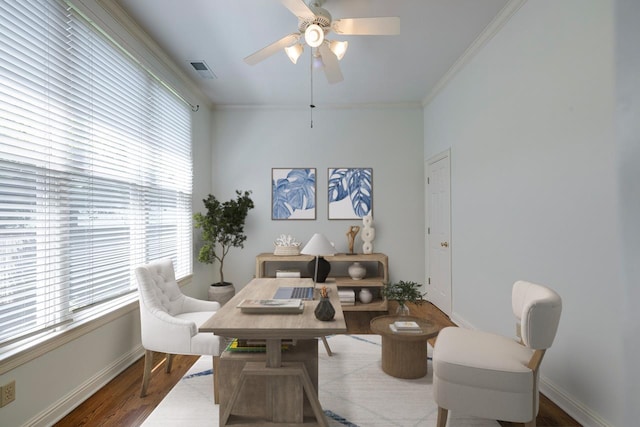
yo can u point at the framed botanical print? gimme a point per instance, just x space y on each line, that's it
350 192
293 193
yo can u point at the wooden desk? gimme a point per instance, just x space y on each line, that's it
230 322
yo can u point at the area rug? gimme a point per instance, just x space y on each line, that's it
353 391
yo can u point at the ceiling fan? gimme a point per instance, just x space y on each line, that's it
314 25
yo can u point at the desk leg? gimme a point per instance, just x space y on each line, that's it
326 346
274 353
224 416
287 384
284 393
312 395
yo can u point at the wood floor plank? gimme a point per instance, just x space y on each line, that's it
119 403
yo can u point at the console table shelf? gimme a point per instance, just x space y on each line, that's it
377 281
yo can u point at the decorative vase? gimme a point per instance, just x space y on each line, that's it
324 267
365 296
402 310
357 271
324 310
221 292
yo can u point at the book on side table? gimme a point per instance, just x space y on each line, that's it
400 326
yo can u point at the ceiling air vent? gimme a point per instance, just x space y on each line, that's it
202 69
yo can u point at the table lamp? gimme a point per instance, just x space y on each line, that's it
319 246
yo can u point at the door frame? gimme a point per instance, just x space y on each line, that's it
446 154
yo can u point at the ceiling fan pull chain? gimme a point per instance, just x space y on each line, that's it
311 105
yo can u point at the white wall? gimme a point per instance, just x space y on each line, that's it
249 142
534 191
628 138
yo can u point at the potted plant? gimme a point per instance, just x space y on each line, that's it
222 229
403 292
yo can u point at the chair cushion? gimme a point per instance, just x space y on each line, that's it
202 342
483 360
158 287
538 310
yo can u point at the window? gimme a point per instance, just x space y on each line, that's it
95 169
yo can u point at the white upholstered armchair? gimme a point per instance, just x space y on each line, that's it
170 320
491 376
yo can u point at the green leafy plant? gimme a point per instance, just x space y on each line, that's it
403 292
222 227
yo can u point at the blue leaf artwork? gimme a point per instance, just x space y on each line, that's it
293 193
350 192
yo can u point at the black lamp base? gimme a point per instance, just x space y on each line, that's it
324 267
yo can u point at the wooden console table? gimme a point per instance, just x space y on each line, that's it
287 382
374 283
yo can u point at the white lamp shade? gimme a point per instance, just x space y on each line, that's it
294 52
318 246
338 48
314 35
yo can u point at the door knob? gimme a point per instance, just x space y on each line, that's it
444 244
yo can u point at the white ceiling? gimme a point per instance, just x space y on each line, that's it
377 69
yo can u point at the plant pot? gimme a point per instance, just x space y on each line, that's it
221 292
402 310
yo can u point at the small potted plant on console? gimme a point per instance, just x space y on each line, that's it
403 292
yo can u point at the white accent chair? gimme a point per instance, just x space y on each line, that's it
170 320
495 377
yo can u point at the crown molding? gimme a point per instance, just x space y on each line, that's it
485 36
144 47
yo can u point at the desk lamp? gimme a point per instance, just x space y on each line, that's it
318 246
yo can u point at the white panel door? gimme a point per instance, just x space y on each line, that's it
438 199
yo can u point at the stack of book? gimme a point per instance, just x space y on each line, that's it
272 306
287 273
347 296
405 327
248 346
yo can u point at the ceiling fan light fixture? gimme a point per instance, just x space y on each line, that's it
294 52
338 48
314 35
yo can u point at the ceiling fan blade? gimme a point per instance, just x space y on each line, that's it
267 51
385 26
331 66
299 8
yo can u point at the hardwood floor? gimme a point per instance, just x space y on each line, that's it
119 403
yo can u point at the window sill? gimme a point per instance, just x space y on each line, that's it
20 353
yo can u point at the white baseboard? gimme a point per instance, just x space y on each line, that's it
581 413
68 403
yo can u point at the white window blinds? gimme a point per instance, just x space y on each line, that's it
95 169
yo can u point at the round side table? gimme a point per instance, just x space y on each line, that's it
404 354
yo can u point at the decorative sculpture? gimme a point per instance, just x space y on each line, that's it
368 234
351 236
286 244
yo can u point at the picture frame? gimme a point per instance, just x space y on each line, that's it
293 193
350 192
